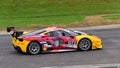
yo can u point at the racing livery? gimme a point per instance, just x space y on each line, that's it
53 39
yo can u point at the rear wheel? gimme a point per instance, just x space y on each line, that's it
34 48
84 44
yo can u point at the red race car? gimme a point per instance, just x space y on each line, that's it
53 39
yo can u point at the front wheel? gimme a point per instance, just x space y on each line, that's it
84 44
34 48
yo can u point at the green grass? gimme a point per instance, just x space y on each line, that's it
38 13
31 22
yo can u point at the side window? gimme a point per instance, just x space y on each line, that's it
54 34
65 34
50 34
58 33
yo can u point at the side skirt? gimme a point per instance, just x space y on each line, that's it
59 50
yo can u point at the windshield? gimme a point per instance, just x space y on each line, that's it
71 32
34 33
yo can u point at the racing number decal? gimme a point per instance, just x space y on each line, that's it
56 43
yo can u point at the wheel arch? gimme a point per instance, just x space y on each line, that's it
35 41
32 42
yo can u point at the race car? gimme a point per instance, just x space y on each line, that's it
53 39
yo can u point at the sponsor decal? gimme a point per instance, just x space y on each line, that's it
49 46
44 48
63 50
71 44
45 44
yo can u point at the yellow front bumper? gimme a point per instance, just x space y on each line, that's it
21 44
97 44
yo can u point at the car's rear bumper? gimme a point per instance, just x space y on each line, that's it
20 45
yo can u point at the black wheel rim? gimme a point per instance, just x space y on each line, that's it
34 48
85 44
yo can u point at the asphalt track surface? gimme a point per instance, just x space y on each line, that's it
110 54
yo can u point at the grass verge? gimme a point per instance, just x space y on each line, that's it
63 13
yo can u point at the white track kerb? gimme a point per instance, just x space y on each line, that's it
89 66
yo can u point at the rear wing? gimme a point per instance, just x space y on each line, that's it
15 33
9 29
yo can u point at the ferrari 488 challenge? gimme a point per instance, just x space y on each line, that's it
53 39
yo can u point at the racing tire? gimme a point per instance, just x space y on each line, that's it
84 44
34 48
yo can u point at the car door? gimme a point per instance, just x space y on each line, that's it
55 40
61 39
69 41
